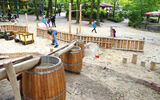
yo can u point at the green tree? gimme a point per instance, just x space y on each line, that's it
91 15
98 8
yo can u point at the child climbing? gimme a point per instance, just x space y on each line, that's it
53 34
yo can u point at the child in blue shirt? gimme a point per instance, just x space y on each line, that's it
94 26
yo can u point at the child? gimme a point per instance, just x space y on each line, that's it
94 26
53 34
114 32
44 21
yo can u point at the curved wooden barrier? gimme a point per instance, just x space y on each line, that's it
13 28
106 42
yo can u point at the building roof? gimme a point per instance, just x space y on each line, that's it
153 13
105 5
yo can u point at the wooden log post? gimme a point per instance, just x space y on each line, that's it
134 59
13 79
143 63
124 61
80 18
26 22
77 31
51 50
70 18
111 31
152 65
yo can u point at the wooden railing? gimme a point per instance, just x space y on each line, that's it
13 28
106 42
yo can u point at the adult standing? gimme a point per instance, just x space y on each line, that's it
9 15
59 11
53 34
53 20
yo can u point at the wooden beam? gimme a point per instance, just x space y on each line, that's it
20 67
58 49
18 60
70 46
13 80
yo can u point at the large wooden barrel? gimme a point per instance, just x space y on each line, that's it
72 60
46 81
80 43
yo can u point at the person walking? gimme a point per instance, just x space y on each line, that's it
48 21
94 26
53 34
53 20
9 15
59 11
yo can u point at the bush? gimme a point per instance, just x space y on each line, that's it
94 14
88 12
23 11
135 18
31 11
115 19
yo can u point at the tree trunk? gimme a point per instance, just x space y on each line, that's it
114 7
98 12
48 9
91 15
71 2
77 12
36 10
55 7
3 7
51 8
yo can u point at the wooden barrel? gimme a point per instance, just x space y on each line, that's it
72 60
46 81
80 43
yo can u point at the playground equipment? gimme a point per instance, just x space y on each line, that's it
9 35
24 37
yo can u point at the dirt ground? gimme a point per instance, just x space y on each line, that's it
95 82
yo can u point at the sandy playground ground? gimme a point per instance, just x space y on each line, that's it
95 83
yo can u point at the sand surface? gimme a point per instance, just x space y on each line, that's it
94 83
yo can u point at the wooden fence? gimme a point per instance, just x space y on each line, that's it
106 42
13 28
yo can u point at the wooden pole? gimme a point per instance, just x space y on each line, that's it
77 31
143 63
70 18
111 31
70 46
124 61
21 67
13 80
80 19
134 59
26 22
153 65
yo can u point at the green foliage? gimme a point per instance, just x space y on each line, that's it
31 11
23 11
116 19
102 14
138 8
